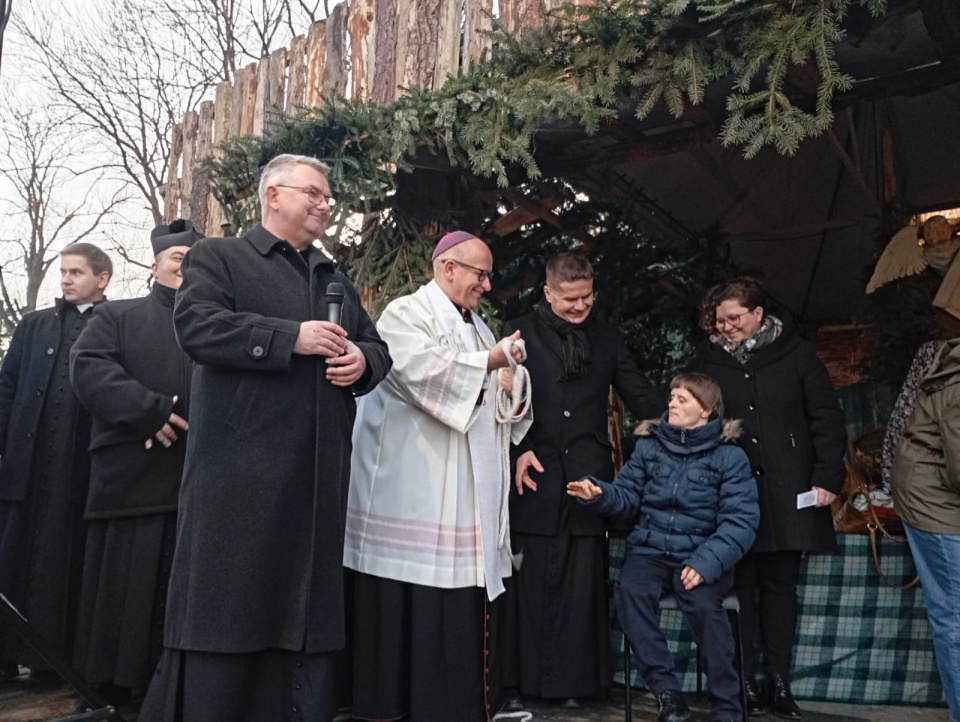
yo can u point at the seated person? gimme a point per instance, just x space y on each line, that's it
698 515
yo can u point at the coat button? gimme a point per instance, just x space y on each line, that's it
758 473
752 407
49 352
754 440
258 351
746 375
566 413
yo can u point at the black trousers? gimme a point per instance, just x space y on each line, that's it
766 585
643 581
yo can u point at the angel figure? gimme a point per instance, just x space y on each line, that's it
914 248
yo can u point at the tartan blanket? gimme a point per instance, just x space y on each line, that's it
858 641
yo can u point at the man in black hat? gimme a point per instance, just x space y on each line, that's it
129 372
44 434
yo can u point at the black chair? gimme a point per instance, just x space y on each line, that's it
732 606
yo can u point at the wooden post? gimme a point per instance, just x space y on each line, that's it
277 84
171 197
406 9
359 26
260 97
335 72
419 62
244 98
297 79
221 129
316 59
191 123
448 42
384 85
200 191
478 20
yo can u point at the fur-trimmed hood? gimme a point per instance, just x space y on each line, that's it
731 429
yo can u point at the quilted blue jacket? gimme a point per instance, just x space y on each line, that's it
696 498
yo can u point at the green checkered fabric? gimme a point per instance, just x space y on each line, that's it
858 641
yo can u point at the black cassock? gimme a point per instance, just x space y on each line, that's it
44 473
554 632
255 609
126 369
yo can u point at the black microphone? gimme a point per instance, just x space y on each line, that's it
334 299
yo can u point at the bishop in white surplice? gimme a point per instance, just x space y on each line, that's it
426 486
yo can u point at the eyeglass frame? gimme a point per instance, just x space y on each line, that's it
722 322
310 192
482 273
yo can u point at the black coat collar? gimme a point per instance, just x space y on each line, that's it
264 241
163 294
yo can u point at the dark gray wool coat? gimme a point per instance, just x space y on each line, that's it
259 554
793 433
126 368
692 489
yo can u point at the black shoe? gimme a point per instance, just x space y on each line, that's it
672 707
780 698
754 703
570 703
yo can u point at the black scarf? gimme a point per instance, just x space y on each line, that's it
575 346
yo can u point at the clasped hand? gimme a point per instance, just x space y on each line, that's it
167 434
346 361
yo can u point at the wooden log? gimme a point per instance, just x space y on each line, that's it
244 99
260 97
448 42
359 26
191 123
520 15
277 84
384 84
222 105
297 73
478 21
335 71
200 190
316 59
423 32
171 196
406 14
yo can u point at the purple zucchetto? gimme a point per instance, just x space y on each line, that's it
449 241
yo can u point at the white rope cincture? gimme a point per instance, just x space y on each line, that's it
521 716
508 412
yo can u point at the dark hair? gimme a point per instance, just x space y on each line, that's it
744 289
567 267
99 261
704 389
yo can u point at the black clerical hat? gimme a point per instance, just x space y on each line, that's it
179 233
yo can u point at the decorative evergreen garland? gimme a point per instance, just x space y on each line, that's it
584 66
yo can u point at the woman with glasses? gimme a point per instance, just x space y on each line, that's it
795 440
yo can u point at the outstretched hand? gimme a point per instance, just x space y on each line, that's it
524 462
584 489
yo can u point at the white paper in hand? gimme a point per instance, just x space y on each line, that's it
807 498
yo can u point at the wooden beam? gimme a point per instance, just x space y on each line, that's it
316 60
359 26
297 73
335 71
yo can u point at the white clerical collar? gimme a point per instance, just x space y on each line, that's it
82 307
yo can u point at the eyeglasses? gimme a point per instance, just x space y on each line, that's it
315 195
732 321
482 273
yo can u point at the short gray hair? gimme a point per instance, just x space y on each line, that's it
283 163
